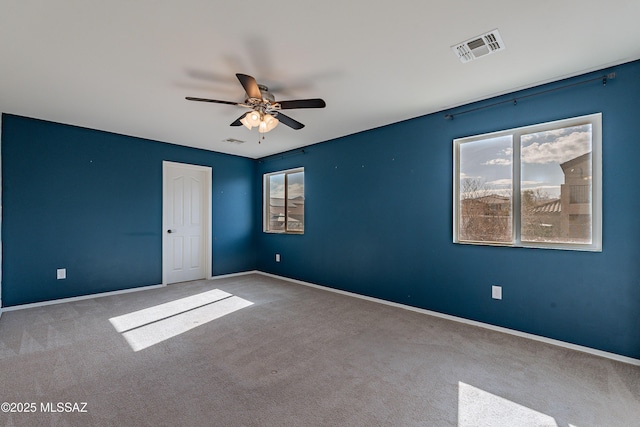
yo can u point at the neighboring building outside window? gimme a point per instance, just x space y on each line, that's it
284 201
537 186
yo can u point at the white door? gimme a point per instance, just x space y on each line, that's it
186 222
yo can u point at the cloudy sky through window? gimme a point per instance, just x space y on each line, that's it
295 181
490 160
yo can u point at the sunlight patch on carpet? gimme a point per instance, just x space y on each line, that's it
478 408
152 325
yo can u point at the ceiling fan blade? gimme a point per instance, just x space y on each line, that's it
289 121
190 98
250 85
238 122
302 103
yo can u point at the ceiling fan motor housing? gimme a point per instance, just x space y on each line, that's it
266 95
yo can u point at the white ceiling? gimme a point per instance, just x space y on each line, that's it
125 66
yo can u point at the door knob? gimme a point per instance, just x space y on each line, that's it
169 231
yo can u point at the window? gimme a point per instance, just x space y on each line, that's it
537 186
284 201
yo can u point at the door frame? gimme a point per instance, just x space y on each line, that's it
208 216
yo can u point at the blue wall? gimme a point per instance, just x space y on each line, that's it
379 222
91 202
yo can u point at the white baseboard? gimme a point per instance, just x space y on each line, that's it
589 350
226 276
82 297
105 294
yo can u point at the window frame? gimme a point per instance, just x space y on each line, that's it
516 221
266 192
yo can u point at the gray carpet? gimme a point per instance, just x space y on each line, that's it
273 353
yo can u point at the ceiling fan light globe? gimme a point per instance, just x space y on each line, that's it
253 118
246 122
270 122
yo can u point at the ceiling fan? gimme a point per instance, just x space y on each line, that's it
265 112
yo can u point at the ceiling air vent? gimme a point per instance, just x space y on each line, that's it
476 47
233 141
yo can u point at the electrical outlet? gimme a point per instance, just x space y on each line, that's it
496 292
61 273
277 257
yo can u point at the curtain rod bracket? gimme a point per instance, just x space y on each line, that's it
608 77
